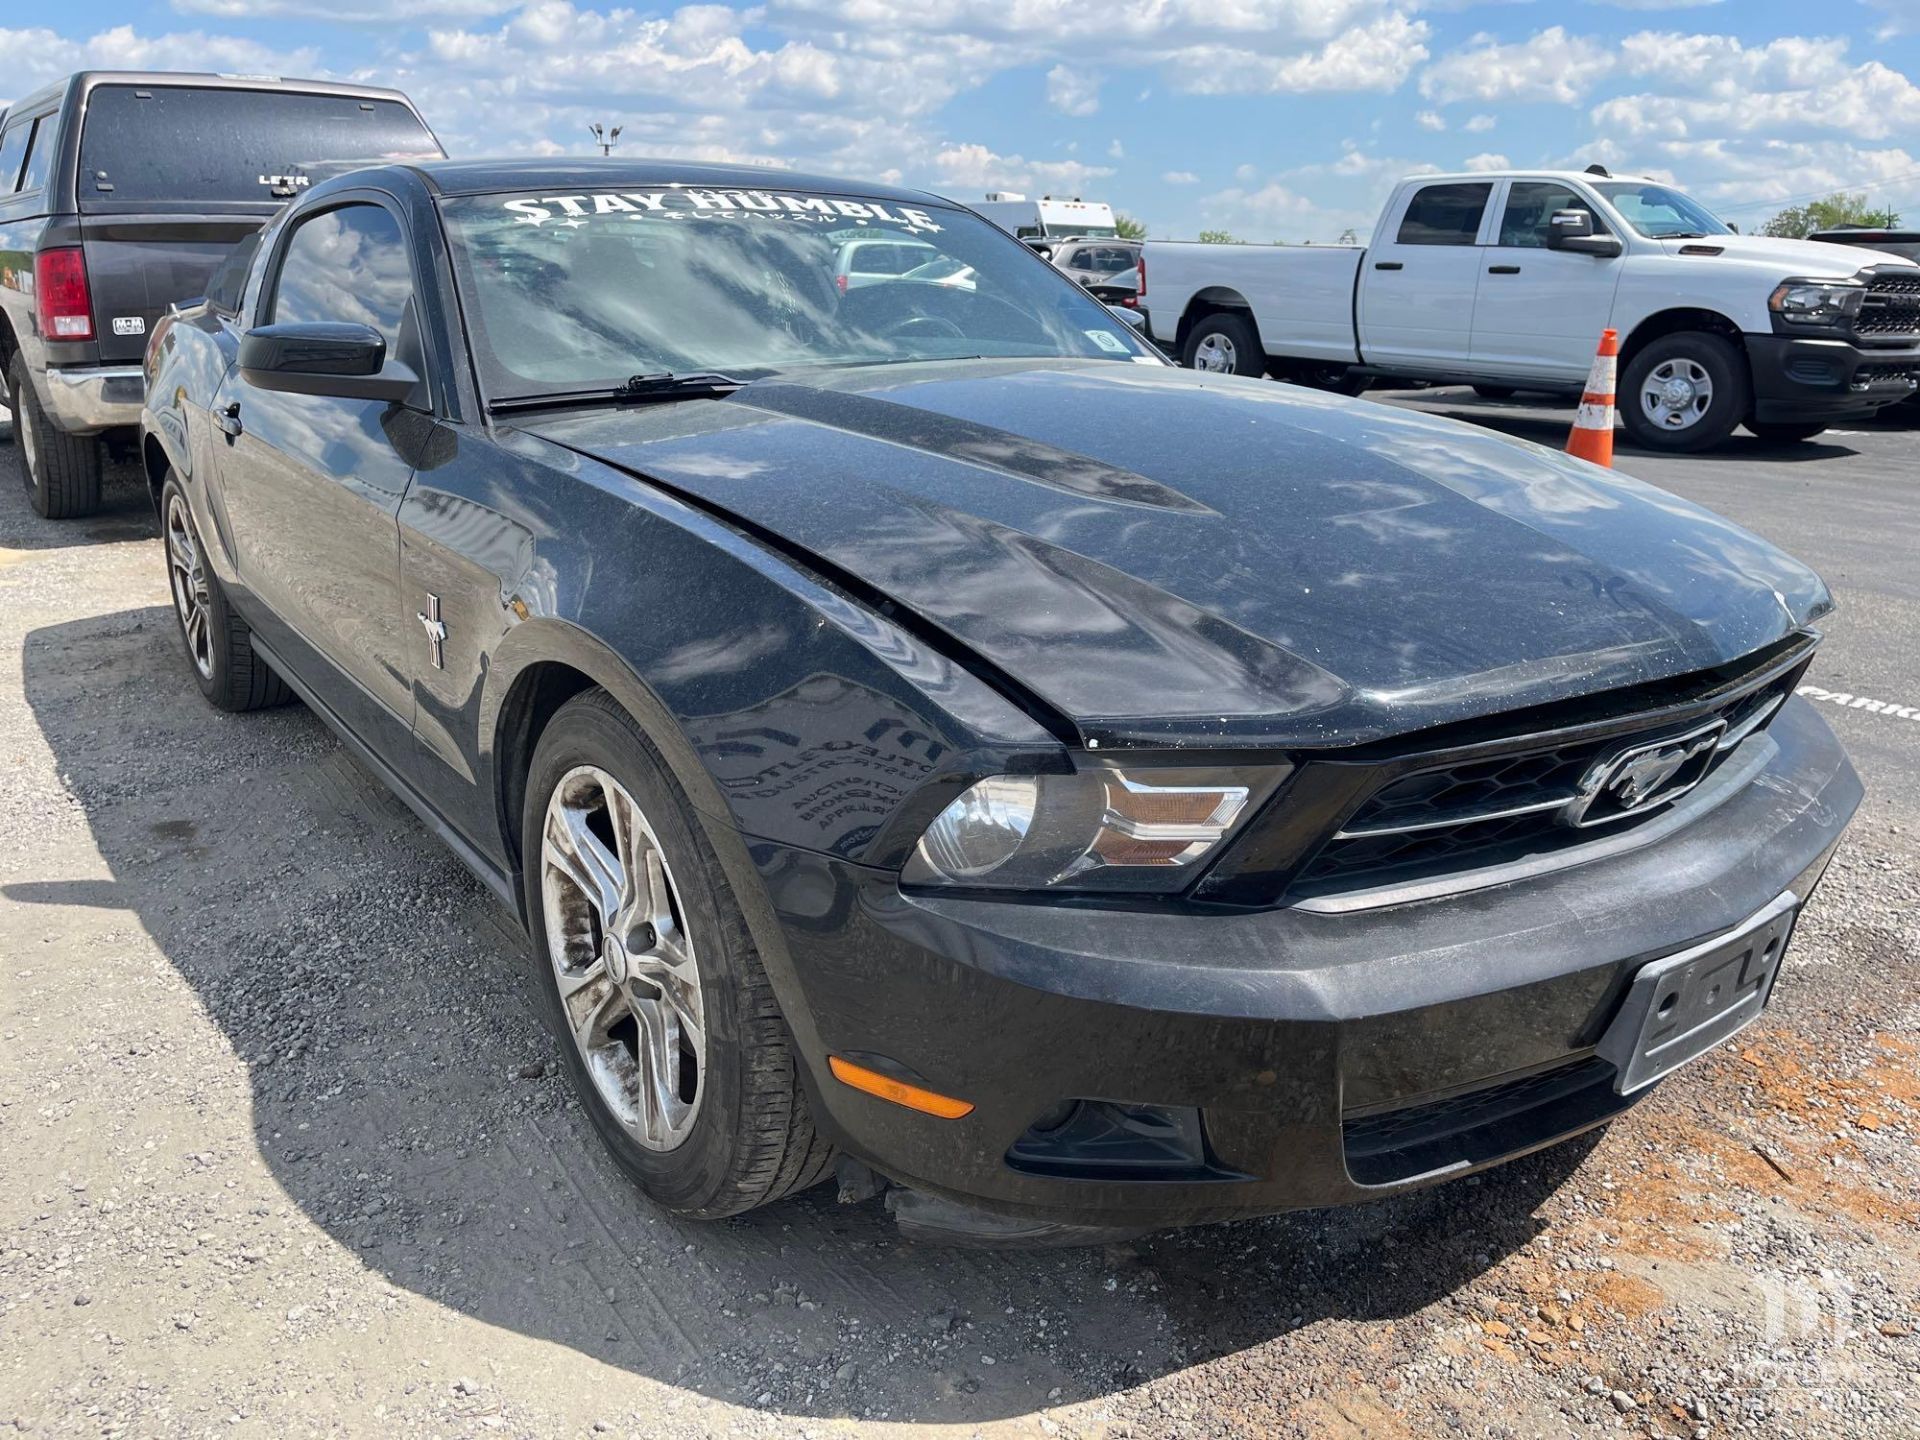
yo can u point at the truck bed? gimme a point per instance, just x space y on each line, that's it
1301 296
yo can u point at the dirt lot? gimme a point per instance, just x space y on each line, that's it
285 1152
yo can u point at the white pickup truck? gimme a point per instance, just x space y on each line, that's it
1505 281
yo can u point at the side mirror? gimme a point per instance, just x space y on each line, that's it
1132 317
345 361
1573 230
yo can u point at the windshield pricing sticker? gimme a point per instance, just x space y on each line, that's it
1108 341
679 202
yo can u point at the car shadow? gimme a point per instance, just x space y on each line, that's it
407 1099
1527 419
126 508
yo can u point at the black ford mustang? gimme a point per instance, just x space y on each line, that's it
919 726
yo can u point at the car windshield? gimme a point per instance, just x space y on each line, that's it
572 292
1659 211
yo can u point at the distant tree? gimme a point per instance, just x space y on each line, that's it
1348 237
1130 228
1217 237
1838 209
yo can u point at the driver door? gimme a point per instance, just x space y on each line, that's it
313 483
1539 312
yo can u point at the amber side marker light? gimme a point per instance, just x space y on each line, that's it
898 1091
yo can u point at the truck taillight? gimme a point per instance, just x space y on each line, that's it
1141 266
61 297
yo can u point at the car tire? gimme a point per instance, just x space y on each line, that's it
725 1124
218 642
1224 343
62 472
1684 393
1782 433
1495 392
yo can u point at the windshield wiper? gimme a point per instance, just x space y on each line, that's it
1686 235
638 390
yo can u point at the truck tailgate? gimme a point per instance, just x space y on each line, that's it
137 265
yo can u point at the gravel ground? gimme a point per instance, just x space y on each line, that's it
287 1153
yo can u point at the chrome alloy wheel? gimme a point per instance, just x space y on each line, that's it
1677 394
622 959
187 573
1216 355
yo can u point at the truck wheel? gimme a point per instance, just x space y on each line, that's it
1224 343
219 644
61 471
1684 392
1786 434
651 979
1340 379
1495 392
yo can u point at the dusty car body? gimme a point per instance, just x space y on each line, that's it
1147 796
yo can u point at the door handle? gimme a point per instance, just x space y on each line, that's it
229 420
1388 265
1503 269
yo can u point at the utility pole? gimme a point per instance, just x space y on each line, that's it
604 138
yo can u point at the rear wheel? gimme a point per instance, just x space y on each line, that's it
219 645
1224 343
1785 434
62 472
1340 379
651 979
1684 392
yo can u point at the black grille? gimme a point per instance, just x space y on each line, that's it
1892 306
1881 374
1507 806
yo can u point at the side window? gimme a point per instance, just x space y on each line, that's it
1445 214
13 149
349 265
1530 205
39 155
228 287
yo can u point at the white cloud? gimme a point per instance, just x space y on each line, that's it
1431 120
37 56
344 11
1073 92
1488 161
1377 56
1116 151
1180 177
975 167
1479 124
1551 65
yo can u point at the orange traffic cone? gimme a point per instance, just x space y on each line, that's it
1592 435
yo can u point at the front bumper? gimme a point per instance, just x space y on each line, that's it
89 399
1803 378
1273 1050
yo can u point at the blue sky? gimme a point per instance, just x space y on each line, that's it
1275 119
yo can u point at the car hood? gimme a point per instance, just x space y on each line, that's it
1163 555
1816 259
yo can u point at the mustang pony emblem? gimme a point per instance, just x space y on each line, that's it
436 632
1645 775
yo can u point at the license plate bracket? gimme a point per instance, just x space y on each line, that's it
1681 1006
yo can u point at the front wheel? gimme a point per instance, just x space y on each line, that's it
1684 393
1782 433
1224 343
218 643
651 979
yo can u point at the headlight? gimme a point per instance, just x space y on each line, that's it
1106 830
1817 302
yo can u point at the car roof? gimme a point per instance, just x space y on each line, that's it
482 177
1532 175
207 80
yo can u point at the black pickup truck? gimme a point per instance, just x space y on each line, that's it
120 193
